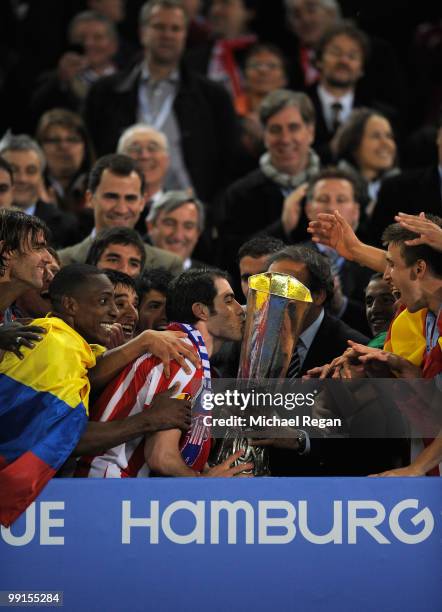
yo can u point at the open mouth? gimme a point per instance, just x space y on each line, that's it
128 329
107 326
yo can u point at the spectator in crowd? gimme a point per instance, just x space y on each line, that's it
126 301
253 257
340 58
115 192
334 189
35 303
409 192
28 163
6 180
308 21
150 149
69 157
61 369
222 58
366 144
93 40
263 73
152 288
118 248
254 203
380 308
195 114
175 223
205 299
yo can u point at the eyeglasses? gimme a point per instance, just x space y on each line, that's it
70 140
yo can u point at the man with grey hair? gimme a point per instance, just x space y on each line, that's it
150 149
254 203
93 43
175 223
28 162
195 114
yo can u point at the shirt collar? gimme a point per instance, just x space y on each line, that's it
308 335
328 99
173 77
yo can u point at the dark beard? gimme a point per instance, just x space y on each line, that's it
341 84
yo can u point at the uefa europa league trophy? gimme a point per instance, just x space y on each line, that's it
276 306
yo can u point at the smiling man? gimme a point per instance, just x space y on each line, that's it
50 386
202 304
175 223
115 192
118 248
255 202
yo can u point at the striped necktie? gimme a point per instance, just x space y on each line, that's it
294 368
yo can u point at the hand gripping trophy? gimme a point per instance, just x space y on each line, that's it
276 306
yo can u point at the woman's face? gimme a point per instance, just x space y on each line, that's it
377 150
64 149
264 72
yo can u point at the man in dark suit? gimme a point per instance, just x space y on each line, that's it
411 192
340 59
323 338
196 115
28 162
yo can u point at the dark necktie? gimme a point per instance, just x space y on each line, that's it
294 368
336 109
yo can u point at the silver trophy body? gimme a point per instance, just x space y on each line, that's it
276 307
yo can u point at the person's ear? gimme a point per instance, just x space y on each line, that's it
69 305
200 311
419 269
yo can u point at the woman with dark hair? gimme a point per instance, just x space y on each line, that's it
366 143
69 154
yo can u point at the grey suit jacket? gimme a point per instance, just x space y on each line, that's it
154 257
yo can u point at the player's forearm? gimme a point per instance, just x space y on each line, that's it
369 256
100 436
163 456
110 364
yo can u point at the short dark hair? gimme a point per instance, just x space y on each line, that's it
115 235
279 99
319 270
121 165
120 278
351 132
6 166
156 278
345 174
259 246
70 281
17 229
196 285
268 48
396 234
344 28
376 276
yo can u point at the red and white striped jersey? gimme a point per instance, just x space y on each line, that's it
131 392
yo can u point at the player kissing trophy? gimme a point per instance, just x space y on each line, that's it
276 306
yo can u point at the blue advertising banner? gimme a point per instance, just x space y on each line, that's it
229 544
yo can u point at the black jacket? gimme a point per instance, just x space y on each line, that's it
204 114
411 192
